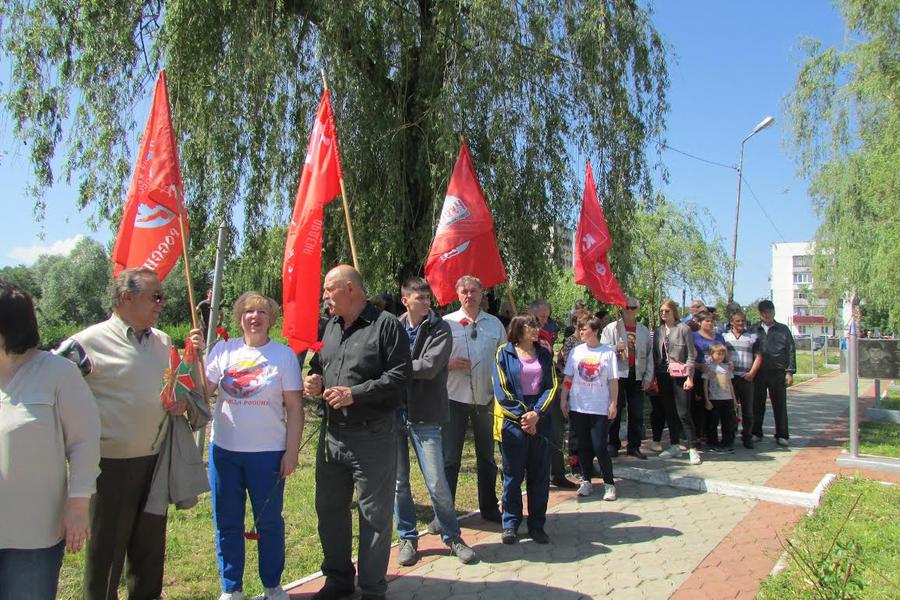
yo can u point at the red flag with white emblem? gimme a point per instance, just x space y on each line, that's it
149 233
592 242
301 272
464 243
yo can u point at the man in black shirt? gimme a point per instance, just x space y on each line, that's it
361 373
779 363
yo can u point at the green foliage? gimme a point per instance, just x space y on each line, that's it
53 335
880 439
74 288
530 85
846 549
23 278
845 130
673 249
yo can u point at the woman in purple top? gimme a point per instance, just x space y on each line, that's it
525 386
703 340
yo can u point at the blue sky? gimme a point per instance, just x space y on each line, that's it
733 62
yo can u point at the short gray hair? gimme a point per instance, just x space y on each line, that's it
467 279
538 304
632 301
131 281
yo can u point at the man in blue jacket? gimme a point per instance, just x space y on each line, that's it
419 421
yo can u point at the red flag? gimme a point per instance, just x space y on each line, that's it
149 233
592 241
301 273
464 243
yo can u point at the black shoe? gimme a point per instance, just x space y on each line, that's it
748 444
493 516
539 536
564 484
372 597
636 452
613 451
509 536
332 592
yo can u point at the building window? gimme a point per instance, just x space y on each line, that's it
801 329
802 278
801 311
803 261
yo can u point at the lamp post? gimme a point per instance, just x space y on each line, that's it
737 211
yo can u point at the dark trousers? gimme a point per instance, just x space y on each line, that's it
630 400
525 458
593 433
704 422
123 535
771 382
361 457
557 431
658 419
743 389
677 405
454 435
722 413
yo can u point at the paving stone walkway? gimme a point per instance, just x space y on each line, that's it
655 541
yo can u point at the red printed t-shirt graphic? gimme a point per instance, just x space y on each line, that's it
464 243
301 272
592 242
149 234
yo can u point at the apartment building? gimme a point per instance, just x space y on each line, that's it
792 290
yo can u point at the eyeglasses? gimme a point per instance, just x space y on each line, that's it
533 325
158 298
632 307
474 334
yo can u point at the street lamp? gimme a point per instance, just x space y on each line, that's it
737 211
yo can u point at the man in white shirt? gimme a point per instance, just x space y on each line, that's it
476 337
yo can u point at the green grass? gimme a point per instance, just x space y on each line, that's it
892 400
191 570
804 363
879 439
868 540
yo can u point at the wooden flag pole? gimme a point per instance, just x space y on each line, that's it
344 200
195 321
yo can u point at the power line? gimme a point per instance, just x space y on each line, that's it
694 156
759 204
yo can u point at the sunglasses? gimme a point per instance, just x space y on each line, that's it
158 298
631 308
474 334
533 325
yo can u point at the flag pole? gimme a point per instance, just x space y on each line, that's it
190 286
344 200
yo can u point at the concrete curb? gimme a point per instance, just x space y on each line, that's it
725 488
883 414
875 463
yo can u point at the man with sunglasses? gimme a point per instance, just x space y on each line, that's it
634 350
123 360
476 337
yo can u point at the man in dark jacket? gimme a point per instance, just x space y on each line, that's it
779 363
419 421
361 373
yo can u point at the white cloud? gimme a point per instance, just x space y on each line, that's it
29 254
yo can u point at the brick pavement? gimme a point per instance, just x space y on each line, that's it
654 542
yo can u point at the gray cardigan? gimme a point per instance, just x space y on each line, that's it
681 347
643 350
426 392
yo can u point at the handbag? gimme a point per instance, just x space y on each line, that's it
676 369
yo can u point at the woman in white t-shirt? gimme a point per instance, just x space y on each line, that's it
257 423
590 388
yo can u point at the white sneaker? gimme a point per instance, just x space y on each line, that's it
694 456
276 593
670 452
585 488
232 596
609 492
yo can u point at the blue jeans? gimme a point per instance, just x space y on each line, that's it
525 458
257 473
454 435
30 574
426 441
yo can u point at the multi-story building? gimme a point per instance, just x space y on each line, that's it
796 304
562 245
